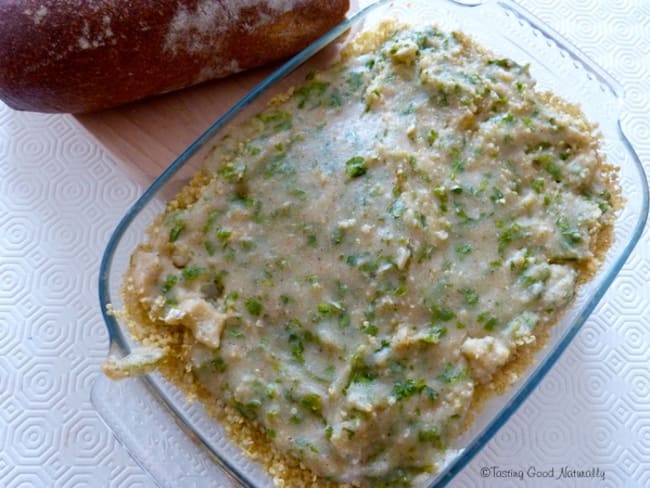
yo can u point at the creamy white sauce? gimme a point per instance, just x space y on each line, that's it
377 245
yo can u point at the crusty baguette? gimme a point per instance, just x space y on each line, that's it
82 56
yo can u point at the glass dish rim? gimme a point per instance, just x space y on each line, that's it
117 341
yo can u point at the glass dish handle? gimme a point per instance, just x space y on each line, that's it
164 450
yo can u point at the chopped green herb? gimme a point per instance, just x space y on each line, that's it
278 164
502 63
605 202
463 248
229 254
355 80
370 329
236 333
253 150
452 373
223 235
429 435
407 388
509 119
311 93
247 245
491 323
210 247
248 410
440 192
514 232
437 332
312 402
356 166
570 234
219 364
470 295
497 195
341 288
367 263
442 314
344 319
329 308
233 171
425 253
457 166
312 240
549 164
431 393
397 208
192 272
400 291
176 230
360 373
336 99
217 283
537 185
295 419
168 284
488 321
213 215
538 146
253 306
298 193
337 235
554 170
297 348
277 121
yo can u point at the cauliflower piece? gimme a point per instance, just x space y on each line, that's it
205 321
142 360
485 356
146 268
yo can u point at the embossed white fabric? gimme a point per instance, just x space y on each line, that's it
61 196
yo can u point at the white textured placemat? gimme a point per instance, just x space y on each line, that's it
61 196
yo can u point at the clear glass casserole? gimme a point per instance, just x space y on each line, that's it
177 443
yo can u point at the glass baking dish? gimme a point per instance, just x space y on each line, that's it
178 444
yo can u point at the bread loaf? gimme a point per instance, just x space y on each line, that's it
81 56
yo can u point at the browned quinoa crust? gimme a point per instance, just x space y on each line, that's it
285 471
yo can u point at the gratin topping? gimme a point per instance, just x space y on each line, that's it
374 246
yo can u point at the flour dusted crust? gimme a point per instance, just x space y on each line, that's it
79 56
494 350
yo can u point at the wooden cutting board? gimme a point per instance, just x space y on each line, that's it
147 136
